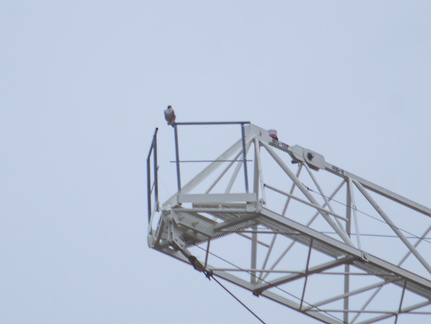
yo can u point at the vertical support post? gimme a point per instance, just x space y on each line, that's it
244 157
177 158
156 170
253 277
256 190
347 266
257 168
149 187
153 150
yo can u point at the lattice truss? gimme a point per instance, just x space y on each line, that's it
302 232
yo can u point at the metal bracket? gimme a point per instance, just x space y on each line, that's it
176 241
174 235
313 159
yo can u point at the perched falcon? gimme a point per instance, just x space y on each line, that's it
170 116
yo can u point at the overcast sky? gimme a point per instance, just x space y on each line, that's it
83 84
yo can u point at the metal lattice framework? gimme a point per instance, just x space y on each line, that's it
291 227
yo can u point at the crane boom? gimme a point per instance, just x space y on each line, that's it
310 236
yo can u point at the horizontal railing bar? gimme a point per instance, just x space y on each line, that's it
190 161
214 123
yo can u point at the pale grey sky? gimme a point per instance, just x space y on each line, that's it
83 84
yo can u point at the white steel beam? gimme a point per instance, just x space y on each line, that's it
340 231
393 226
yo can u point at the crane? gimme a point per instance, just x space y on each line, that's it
283 223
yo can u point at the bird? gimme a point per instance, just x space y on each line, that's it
170 115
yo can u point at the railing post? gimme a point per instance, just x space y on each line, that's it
244 157
177 157
156 170
153 150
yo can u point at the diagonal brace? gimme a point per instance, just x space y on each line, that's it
292 277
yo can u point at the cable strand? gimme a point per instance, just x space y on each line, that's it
276 287
237 299
368 215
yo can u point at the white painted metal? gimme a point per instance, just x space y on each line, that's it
332 257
